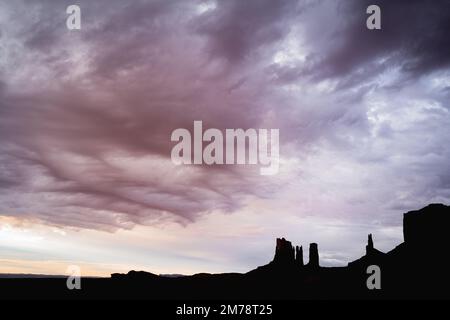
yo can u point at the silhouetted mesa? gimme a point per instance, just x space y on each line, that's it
427 227
134 275
425 233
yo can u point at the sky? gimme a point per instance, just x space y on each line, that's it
86 117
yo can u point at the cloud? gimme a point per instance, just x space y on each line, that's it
93 147
413 36
237 30
86 117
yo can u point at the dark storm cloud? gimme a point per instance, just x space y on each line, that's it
86 116
414 36
79 141
237 29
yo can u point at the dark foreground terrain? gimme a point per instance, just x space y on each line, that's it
417 268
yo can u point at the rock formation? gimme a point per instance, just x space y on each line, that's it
287 254
427 227
372 256
299 256
369 247
313 256
284 252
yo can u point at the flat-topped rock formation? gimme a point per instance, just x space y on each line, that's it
284 252
427 227
287 254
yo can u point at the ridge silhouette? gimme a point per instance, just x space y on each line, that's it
416 268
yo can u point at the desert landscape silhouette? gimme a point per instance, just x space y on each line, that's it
417 269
